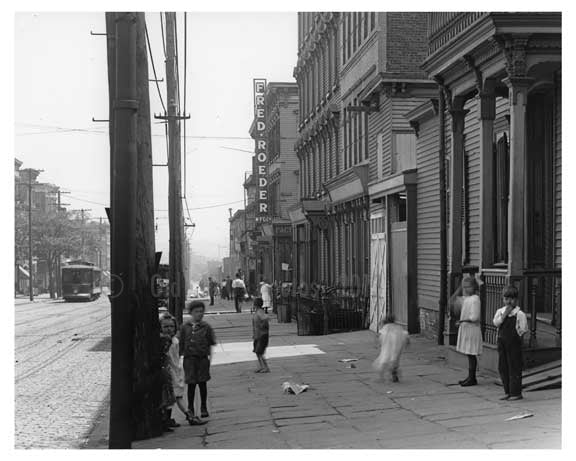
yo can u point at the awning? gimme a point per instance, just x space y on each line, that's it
24 272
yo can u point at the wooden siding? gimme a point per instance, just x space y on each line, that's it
428 216
558 173
472 181
380 122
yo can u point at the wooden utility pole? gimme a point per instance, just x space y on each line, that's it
123 211
30 271
176 276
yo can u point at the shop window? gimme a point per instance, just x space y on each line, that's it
500 197
403 151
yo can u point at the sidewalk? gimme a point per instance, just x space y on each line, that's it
346 407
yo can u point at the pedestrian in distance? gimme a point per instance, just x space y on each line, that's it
393 340
261 332
169 328
229 287
223 290
211 289
266 294
239 289
197 339
512 325
465 304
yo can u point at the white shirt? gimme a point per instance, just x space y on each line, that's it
238 283
266 292
521 321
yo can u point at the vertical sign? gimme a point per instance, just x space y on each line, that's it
261 151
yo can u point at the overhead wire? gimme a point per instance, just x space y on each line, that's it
154 67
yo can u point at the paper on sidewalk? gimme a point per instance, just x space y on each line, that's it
347 360
293 388
522 416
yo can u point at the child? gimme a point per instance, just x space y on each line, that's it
393 340
239 289
196 340
168 328
167 391
260 327
512 325
469 340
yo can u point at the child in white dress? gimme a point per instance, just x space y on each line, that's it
469 332
393 340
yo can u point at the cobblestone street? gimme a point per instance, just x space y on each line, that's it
60 381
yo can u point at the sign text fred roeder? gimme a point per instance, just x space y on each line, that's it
261 150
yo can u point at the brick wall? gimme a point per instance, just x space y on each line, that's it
406 46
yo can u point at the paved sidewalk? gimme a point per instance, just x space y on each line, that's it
346 408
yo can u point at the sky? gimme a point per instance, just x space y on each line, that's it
61 83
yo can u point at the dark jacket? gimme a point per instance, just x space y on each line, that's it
196 339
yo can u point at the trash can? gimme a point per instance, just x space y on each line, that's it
284 313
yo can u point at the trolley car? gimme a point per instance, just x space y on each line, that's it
81 281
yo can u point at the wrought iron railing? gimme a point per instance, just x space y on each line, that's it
540 298
323 310
444 26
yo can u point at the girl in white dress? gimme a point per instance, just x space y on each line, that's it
393 340
469 332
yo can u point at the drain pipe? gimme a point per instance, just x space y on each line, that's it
443 301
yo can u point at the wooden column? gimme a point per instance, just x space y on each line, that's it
411 218
487 116
458 115
518 87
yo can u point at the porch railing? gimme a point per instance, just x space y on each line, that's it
540 298
444 26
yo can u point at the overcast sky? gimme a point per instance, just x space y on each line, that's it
61 83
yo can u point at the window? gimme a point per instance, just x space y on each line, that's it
365 25
347 35
372 20
403 152
353 30
500 205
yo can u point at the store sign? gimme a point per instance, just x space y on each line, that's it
261 151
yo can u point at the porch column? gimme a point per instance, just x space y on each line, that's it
487 116
518 88
458 114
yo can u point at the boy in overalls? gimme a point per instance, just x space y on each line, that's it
512 325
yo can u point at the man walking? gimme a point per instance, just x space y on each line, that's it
239 289
211 290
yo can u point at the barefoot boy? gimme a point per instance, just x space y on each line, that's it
261 327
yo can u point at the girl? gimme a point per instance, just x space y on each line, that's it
512 325
469 333
167 391
168 327
393 340
196 340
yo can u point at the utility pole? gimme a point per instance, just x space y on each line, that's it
30 278
82 210
175 219
123 212
59 260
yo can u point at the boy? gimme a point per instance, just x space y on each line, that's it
512 325
261 327
196 340
266 294
393 340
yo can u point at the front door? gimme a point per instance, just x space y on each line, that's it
399 272
377 270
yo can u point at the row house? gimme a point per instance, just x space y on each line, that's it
495 129
273 249
318 148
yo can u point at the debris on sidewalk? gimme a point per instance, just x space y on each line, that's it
348 360
291 387
522 416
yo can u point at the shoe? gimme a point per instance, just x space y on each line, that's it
515 397
265 370
470 382
173 423
395 379
462 381
204 413
166 428
506 397
195 421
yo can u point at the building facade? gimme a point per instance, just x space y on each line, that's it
273 248
498 126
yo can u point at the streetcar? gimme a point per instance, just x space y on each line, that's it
81 281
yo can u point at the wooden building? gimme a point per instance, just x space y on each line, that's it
497 125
